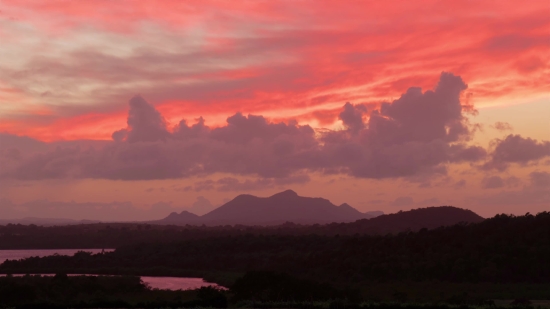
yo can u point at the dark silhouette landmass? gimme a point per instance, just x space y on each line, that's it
62 291
245 209
113 235
257 289
500 249
413 220
177 219
286 206
291 266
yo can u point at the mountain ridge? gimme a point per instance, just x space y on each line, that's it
411 220
285 206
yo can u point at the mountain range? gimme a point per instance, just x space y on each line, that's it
286 206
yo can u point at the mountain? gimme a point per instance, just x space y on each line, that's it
286 206
184 216
412 220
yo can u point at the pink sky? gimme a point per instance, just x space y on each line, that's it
271 80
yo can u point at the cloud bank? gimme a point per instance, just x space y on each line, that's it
420 133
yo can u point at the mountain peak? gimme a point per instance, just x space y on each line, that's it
286 193
173 215
285 206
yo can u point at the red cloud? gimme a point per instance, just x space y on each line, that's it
419 133
279 59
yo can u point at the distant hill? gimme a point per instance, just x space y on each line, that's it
413 220
45 221
184 216
282 207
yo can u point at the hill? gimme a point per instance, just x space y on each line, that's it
286 206
412 220
45 221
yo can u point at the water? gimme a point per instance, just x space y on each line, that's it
163 283
23 254
175 283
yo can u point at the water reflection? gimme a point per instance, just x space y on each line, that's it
173 283
161 283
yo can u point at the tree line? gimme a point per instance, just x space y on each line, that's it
501 249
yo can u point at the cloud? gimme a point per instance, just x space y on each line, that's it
492 182
204 185
540 179
201 206
145 123
534 194
517 149
460 184
502 126
402 201
420 133
352 117
234 184
114 211
281 60
495 182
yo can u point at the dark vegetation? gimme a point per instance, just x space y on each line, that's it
62 291
504 257
500 249
114 235
253 290
262 286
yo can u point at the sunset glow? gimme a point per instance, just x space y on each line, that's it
92 94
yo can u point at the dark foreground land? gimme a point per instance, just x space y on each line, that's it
253 290
502 258
61 291
114 235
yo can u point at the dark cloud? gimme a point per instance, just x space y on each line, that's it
145 123
352 117
422 117
460 184
540 179
495 182
517 149
234 184
536 192
417 134
204 185
502 126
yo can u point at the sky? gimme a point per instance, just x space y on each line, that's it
125 110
